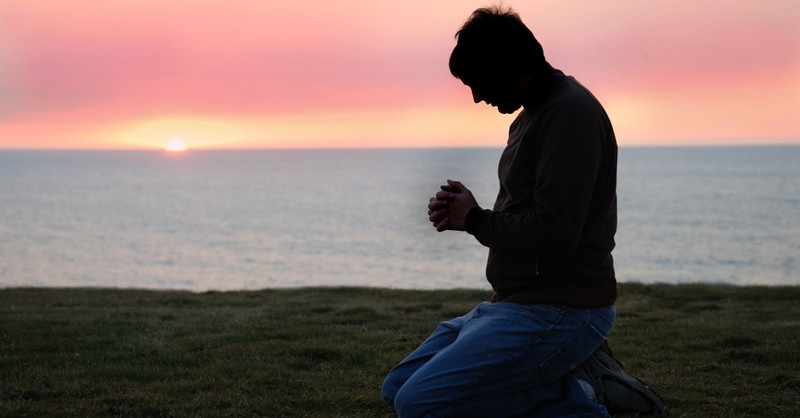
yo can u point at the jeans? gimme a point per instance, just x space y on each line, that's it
502 360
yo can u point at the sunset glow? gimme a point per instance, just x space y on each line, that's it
249 74
176 145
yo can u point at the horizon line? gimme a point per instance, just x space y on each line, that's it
395 147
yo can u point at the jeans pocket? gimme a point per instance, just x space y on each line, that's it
572 354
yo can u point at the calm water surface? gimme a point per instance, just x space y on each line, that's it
253 219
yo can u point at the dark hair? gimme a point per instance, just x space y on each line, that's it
495 41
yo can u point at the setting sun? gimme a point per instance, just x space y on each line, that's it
176 145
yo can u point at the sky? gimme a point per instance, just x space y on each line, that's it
140 74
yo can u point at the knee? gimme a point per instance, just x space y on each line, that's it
404 402
390 387
411 402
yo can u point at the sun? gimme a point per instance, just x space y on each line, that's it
175 145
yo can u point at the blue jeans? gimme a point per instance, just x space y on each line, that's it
502 360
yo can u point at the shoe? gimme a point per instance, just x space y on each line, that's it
615 389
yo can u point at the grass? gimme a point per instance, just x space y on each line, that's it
709 350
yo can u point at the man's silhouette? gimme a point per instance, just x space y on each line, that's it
538 348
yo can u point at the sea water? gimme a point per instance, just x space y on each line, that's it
221 220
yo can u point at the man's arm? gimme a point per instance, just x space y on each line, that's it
568 163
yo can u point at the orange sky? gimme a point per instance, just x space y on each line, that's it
261 74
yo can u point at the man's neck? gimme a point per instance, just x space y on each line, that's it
536 84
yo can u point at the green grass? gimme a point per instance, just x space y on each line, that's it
709 350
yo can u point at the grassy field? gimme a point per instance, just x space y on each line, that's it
710 351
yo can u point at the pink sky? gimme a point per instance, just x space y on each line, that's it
261 74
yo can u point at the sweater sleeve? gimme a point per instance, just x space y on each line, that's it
567 163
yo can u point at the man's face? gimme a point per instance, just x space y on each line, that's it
504 93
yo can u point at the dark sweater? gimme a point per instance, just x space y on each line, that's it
551 231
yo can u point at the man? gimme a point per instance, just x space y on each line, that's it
538 348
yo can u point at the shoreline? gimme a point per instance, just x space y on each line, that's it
381 288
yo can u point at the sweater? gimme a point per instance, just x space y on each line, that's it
551 231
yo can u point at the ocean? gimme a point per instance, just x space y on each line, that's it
225 220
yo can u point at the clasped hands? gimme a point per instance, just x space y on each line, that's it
448 209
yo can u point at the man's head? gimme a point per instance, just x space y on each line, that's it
496 56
